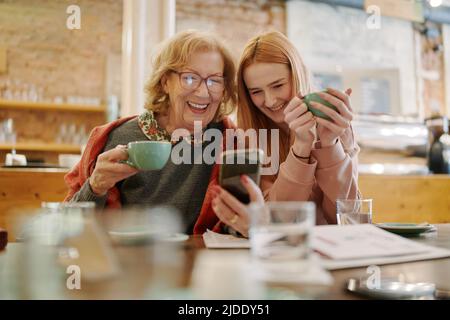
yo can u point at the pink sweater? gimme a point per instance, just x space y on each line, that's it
331 174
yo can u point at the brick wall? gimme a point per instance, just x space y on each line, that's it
431 70
42 51
236 21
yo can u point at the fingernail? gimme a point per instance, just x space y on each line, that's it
216 189
244 178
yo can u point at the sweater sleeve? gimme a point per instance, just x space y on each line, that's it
337 173
86 194
295 181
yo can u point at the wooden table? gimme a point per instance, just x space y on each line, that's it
169 271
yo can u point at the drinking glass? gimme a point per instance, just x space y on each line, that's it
281 231
354 211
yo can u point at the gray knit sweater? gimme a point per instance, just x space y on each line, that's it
181 186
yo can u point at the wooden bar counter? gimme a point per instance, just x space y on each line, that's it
408 198
397 198
25 188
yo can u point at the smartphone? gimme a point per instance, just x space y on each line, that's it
234 164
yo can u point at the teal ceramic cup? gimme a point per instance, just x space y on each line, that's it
316 98
148 155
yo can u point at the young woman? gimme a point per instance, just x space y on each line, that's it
318 157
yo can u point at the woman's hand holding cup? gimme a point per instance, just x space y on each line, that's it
301 122
329 131
108 170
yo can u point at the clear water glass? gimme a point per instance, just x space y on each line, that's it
281 231
357 211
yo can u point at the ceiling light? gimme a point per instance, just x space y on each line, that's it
435 3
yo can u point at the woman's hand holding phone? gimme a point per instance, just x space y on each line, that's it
230 210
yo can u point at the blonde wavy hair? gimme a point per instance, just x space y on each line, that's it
269 47
174 54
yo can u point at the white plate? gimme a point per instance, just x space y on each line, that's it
173 237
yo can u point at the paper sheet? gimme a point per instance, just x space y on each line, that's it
361 241
215 240
349 246
434 253
363 245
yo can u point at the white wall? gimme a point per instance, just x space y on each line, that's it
145 24
328 37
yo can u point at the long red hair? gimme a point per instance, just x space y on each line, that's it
269 47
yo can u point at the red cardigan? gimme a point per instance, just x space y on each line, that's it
76 177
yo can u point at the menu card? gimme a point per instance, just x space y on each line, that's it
349 246
362 241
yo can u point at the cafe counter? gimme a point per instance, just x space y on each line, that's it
406 198
22 189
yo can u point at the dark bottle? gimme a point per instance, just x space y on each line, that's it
438 155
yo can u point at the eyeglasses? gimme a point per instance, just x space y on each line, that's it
191 81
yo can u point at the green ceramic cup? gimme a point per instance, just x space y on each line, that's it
316 98
148 155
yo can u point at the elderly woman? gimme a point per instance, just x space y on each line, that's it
193 80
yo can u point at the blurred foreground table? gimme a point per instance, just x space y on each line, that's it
169 272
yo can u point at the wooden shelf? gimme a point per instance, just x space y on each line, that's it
23 105
46 147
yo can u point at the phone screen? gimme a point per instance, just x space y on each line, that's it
234 164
